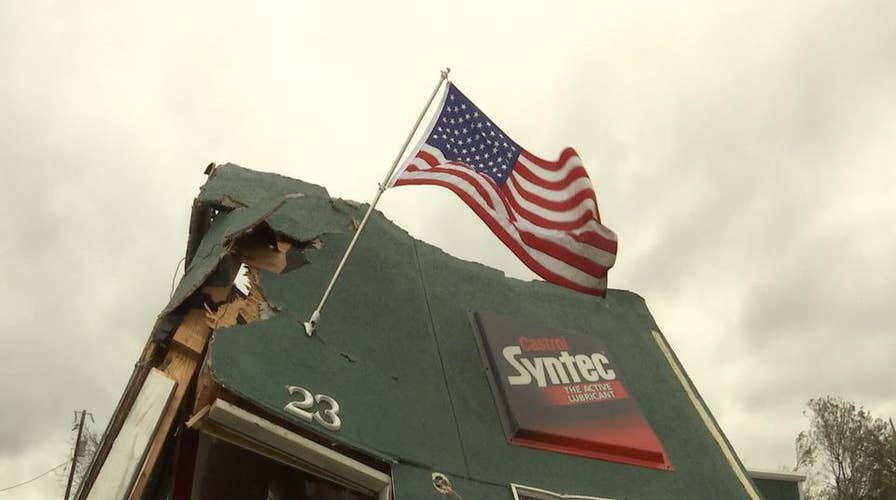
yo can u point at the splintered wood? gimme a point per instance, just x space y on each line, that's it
262 255
266 250
182 361
242 309
181 364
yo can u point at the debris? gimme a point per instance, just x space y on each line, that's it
242 309
280 256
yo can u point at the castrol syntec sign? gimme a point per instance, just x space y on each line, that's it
563 391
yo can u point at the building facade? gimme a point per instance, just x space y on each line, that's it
428 376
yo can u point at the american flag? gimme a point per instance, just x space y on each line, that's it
544 211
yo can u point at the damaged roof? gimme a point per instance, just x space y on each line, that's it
396 349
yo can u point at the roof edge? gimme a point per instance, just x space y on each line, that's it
795 477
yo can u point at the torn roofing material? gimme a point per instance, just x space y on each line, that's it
244 202
215 244
396 349
232 186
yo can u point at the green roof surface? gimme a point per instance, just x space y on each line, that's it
396 349
776 489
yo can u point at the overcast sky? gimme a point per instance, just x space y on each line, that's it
744 154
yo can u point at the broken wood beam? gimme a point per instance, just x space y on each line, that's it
181 364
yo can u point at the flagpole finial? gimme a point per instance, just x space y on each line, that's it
445 73
311 324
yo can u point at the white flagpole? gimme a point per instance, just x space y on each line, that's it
311 324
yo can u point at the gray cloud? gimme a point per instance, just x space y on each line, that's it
743 154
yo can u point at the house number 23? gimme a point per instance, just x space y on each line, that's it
327 417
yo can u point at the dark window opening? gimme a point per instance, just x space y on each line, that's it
225 471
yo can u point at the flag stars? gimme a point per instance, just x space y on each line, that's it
460 134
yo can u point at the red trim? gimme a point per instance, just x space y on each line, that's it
603 451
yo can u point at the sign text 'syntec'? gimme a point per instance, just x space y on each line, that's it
562 369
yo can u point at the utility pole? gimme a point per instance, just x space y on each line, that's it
71 472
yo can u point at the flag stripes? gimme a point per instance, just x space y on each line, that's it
571 248
545 211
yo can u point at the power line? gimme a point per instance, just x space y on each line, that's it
35 478
174 277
